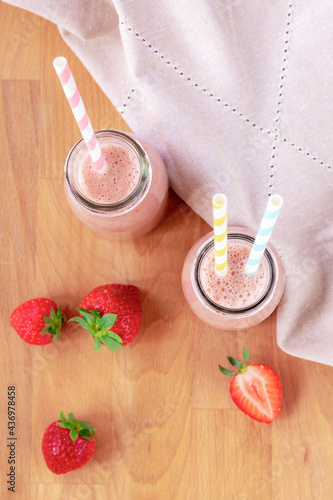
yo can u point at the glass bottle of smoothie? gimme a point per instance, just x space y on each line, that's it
236 301
127 198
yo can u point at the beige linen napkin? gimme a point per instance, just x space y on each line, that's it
237 95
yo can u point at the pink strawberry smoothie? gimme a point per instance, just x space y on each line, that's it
128 196
237 301
236 290
115 181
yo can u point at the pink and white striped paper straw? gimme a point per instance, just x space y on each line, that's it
79 111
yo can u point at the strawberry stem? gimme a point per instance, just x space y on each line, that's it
242 367
100 328
54 323
76 427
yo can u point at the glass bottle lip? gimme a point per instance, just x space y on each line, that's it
260 302
137 194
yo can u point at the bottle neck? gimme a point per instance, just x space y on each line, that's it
226 288
121 140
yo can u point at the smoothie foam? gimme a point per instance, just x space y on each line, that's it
115 181
236 290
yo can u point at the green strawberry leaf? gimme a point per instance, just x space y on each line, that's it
76 427
99 327
73 435
90 318
84 432
225 371
54 323
81 322
107 321
241 367
114 336
97 344
234 362
85 423
94 312
111 344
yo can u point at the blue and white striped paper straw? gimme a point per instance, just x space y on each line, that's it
265 230
219 202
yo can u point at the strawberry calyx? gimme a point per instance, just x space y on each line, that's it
76 427
242 367
54 323
99 327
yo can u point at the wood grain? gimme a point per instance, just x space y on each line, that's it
166 426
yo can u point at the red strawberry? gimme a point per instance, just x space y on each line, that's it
255 389
38 321
116 306
68 444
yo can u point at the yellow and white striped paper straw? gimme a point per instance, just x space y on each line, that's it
220 233
269 219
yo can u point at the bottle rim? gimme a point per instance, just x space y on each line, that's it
137 194
263 298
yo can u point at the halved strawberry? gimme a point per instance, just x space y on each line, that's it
255 389
111 306
38 321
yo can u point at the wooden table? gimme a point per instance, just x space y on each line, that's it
166 426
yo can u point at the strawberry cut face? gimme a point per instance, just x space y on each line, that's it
255 389
257 392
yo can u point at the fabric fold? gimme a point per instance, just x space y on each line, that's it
236 96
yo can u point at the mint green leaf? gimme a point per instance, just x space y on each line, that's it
97 344
48 320
111 344
71 417
63 416
45 330
85 423
81 322
68 425
61 424
90 318
107 321
225 371
95 313
84 432
73 435
53 314
234 362
113 336
246 354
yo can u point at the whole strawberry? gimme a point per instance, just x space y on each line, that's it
68 444
38 321
111 306
255 389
